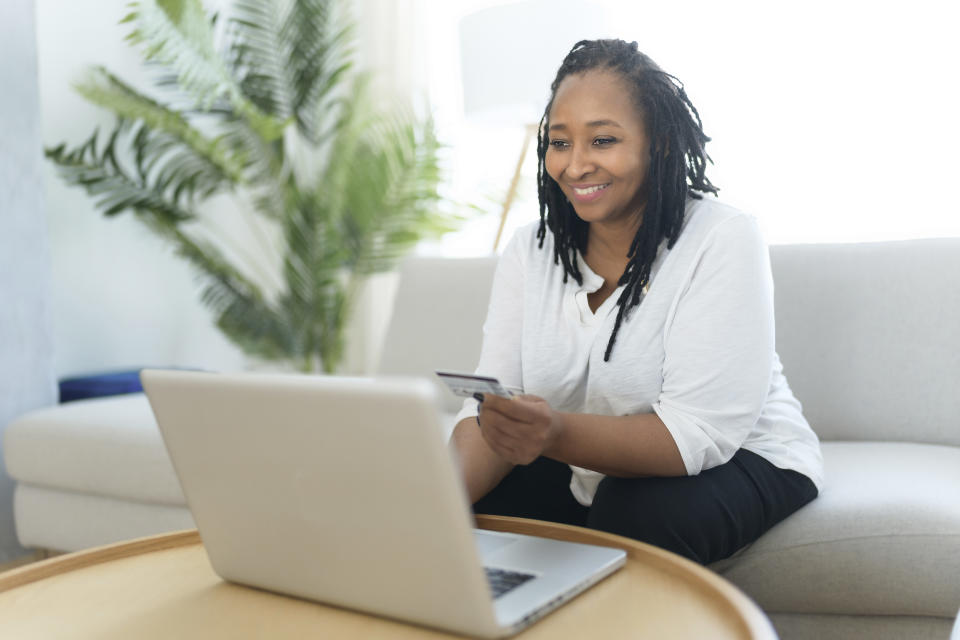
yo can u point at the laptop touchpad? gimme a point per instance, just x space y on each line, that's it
488 542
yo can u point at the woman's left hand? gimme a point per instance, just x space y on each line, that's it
519 429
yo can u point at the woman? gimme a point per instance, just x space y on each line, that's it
638 318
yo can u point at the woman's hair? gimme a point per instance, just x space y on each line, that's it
677 168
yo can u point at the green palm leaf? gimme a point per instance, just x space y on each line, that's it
237 303
318 53
106 90
178 34
349 188
114 187
397 204
256 55
290 56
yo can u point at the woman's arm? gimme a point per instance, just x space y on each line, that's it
481 468
620 446
519 430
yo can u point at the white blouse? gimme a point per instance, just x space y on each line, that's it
698 350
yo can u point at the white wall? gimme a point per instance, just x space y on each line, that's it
832 120
26 350
121 298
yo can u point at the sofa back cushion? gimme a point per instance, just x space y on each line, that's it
437 320
869 337
869 334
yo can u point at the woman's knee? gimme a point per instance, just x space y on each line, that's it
647 509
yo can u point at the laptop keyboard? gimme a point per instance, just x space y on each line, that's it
501 581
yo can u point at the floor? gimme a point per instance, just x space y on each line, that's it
29 558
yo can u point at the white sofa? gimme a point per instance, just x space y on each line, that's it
92 472
869 340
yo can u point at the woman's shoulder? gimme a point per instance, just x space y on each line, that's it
527 233
709 219
525 243
705 214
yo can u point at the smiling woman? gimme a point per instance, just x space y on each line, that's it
612 88
638 315
600 165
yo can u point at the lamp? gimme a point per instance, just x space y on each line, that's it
509 55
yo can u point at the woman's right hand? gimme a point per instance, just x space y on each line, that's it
519 429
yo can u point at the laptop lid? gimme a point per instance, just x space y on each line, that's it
340 490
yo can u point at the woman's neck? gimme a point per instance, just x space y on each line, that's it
610 241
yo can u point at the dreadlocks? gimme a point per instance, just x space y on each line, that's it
677 167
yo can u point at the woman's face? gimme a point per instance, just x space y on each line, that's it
598 148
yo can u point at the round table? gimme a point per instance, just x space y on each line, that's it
163 587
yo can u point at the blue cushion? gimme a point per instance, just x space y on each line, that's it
99 385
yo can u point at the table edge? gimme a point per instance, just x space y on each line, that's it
43 569
754 622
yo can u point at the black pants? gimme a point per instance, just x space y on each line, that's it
705 517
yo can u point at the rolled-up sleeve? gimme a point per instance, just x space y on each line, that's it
719 346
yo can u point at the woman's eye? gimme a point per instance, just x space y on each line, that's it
604 141
558 144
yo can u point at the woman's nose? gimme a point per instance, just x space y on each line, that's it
581 163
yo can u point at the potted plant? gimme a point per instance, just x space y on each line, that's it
265 105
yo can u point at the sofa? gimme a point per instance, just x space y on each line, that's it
869 341
92 472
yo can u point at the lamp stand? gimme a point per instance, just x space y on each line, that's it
529 132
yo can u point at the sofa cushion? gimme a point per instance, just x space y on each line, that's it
810 626
105 446
100 385
437 315
863 329
883 537
67 521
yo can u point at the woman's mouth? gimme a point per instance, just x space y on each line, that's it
588 193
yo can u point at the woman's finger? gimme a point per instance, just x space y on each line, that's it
515 409
493 428
518 450
505 437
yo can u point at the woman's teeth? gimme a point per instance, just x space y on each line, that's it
589 190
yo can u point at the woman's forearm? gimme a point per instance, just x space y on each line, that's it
482 469
620 446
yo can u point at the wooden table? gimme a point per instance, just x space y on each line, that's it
163 587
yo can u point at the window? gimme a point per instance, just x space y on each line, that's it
831 121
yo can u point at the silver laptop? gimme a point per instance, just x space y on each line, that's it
343 491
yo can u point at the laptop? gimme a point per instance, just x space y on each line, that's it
343 491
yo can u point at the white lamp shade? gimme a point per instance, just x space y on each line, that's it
510 54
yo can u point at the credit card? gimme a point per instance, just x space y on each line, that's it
467 384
